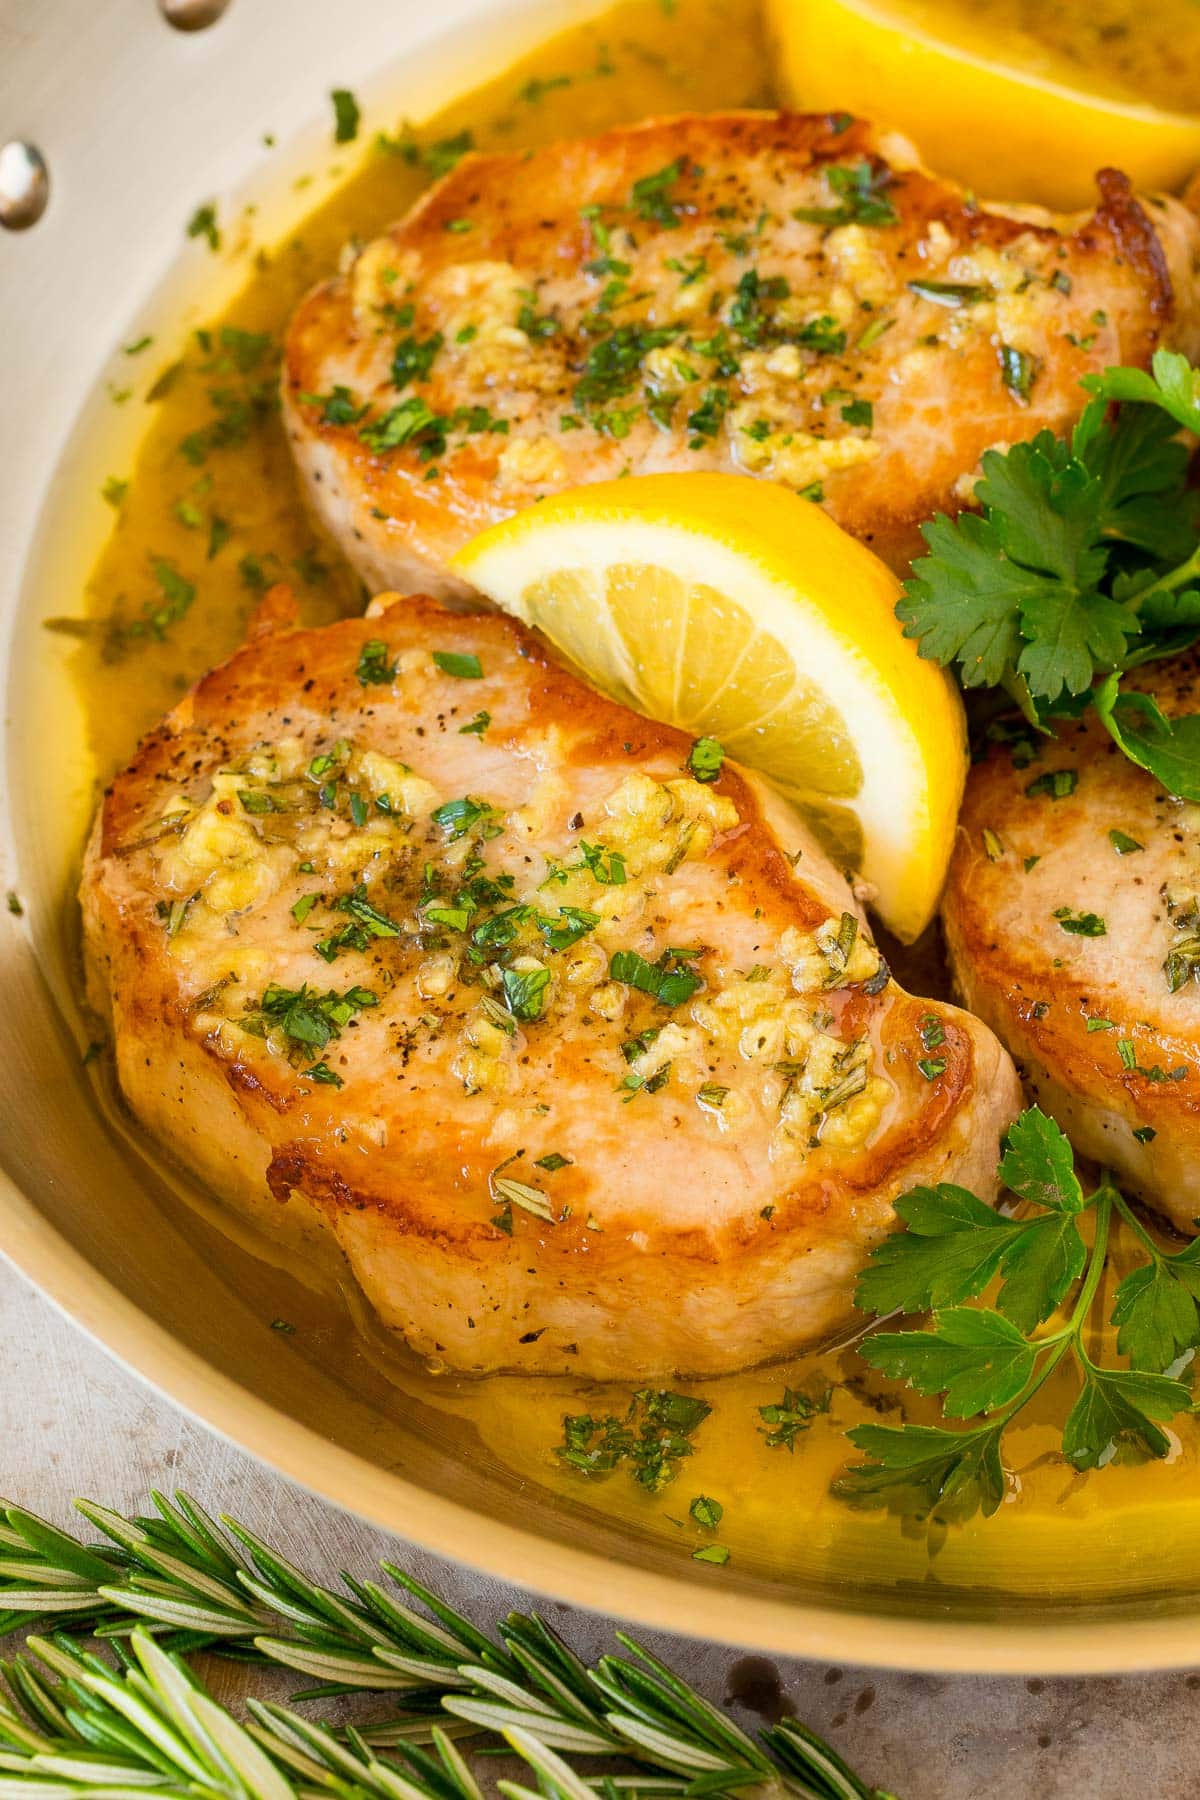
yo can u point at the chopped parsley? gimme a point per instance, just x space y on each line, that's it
307 1019
1080 924
338 407
788 1417
458 817
747 313
539 85
477 726
439 157
346 116
650 196
705 420
1059 784
413 358
203 223
535 325
374 669
707 1512
665 982
572 924
862 199
611 366
822 335
604 865
366 924
258 572
637 1046
176 595
414 422
525 992
705 759
452 662
652 1439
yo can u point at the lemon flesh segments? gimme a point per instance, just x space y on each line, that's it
830 606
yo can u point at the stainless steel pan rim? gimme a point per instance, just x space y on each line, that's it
176 118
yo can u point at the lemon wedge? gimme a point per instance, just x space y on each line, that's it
734 609
985 102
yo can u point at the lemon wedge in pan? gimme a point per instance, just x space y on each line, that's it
733 609
986 102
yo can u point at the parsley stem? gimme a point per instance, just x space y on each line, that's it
1068 1336
1174 578
1135 1224
1102 1200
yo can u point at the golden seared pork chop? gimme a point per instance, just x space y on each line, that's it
783 295
588 1064
1072 918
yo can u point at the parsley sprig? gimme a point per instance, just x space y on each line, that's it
1083 563
988 1362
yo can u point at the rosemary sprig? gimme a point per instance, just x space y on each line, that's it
82 1728
178 1581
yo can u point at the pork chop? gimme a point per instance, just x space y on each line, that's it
783 295
1072 918
587 1064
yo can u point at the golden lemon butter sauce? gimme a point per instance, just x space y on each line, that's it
209 515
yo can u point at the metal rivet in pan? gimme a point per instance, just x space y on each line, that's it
24 185
191 15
